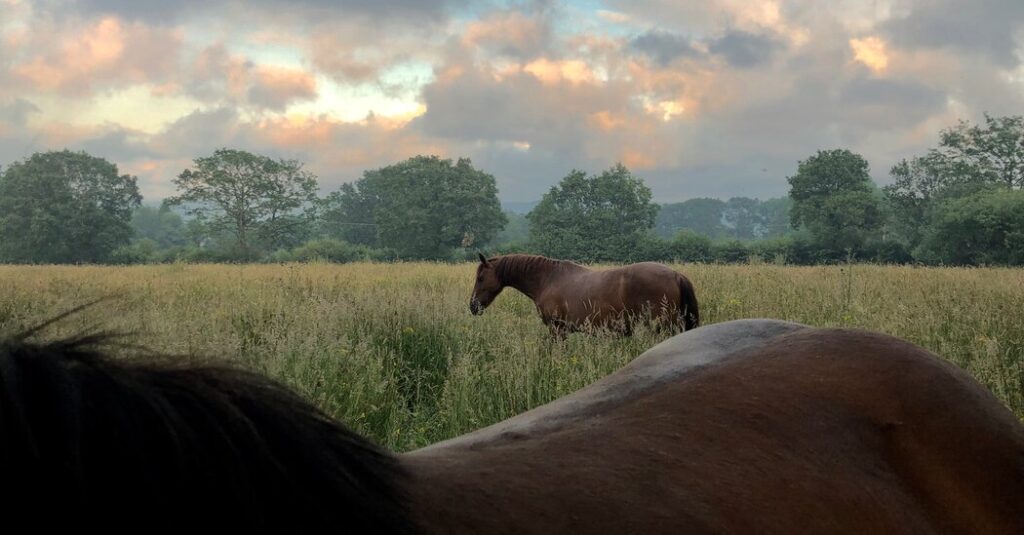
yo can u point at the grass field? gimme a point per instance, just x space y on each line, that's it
392 350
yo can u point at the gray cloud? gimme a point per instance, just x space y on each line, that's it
16 111
164 11
117 145
988 27
663 47
742 49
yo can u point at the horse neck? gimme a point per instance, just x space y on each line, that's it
531 274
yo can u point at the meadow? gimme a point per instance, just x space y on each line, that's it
392 350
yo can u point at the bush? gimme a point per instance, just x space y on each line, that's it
730 252
886 252
138 252
775 251
981 228
327 250
688 246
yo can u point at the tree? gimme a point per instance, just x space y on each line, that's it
983 228
774 217
702 215
515 232
969 159
993 154
424 207
348 215
161 225
63 207
742 217
263 203
834 198
596 218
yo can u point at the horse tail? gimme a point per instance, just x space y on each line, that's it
688 308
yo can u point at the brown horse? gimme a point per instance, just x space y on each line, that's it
571 297
752 426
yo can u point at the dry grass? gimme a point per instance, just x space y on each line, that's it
392 350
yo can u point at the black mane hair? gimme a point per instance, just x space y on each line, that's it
144 445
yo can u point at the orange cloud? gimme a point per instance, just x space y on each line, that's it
555 72
871 51
510 32
606 120
275 87
108 51
635 159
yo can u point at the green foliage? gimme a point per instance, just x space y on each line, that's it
160 225
516 231
993 154
424 207
739 218
834 198
329 250
263 203
140 251
349 214
742 217
64 207
689 246
594 218
983 228
969 159
702 216
730 252
774 218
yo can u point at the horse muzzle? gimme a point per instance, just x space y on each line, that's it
475 307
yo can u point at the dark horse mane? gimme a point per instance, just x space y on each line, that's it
147 445
510 268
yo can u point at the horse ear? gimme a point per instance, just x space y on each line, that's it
483 259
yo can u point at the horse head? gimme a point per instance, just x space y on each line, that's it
488 285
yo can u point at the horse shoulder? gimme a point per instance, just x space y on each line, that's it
651 370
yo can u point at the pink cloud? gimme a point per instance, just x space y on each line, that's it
275 87
102 54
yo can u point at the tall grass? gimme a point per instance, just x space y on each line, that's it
392 350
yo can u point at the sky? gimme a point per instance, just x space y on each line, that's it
716 98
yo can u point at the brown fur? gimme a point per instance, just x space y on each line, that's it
571 297
746 427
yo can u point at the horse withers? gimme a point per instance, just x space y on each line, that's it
571 297
752 426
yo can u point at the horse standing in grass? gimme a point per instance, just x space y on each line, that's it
752 426
571 297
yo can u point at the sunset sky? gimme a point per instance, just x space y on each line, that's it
713 98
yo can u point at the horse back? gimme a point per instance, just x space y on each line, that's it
751 426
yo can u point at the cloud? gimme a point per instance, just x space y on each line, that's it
699 98
162 11
217 76
871 51
17 111
77 60
990 28
663 47
510 33
744 50
274 88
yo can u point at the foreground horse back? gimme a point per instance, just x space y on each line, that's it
571 297
745 427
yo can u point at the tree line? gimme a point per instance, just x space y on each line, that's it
960 203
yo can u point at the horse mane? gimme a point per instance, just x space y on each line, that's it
511 267
152 445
